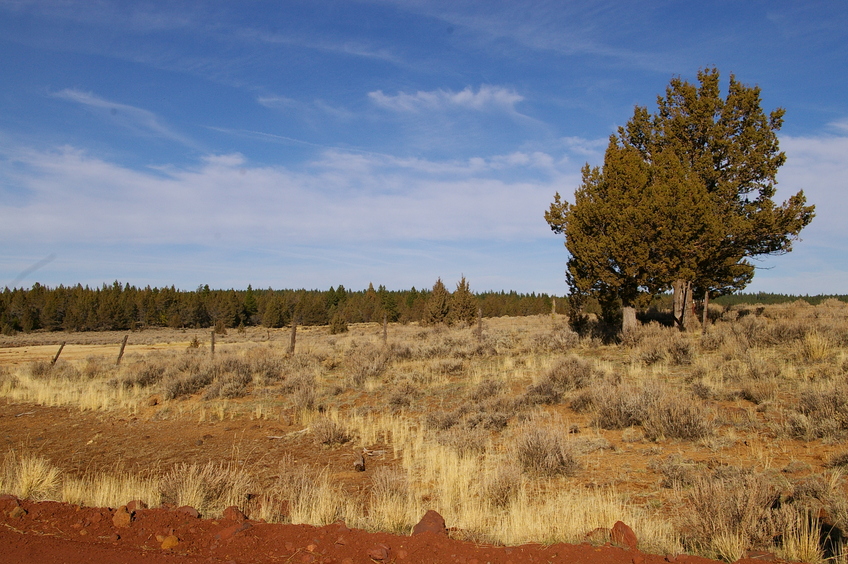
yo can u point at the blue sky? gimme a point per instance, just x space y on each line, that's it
309 144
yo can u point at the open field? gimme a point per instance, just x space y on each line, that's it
713 443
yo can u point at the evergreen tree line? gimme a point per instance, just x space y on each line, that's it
120 307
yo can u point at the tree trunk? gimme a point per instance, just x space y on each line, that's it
678 297
684 305
628 319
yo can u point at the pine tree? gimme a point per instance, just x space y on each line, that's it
463 304
438 304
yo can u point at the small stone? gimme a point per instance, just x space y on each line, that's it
230 532
115 537
188 510
135 505
379 553
233 513
122 517
359 463
432 522
623 535
170 542
83 533
638 558
17 512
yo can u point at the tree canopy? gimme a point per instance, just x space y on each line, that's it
684 199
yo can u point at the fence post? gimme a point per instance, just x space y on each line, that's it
55 358
293 336
385 329
212 343
121 352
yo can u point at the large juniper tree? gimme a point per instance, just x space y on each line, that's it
684 199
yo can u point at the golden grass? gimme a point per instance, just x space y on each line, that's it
733 397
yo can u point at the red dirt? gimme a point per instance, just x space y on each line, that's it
51 532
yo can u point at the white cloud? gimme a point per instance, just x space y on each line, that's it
73 197
136 119
819 166
487 98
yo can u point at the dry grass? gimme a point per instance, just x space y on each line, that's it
502 435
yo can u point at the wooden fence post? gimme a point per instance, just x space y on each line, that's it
293 336
55 358
212 343
385 329
121 352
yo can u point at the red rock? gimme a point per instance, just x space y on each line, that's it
188 510
623 535
432 522
233 513
170 542
379 552
17 512
122 517
230 532
638 558
135 505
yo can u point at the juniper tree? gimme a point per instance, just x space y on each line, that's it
684 199
463 304
438 304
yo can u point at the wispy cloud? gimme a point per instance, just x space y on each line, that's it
487 98
138 120
354 48
354 197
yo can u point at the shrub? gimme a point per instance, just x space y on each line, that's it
503 485
338 324
543 451
330 432
564 376
621 406
677 417
209 488
731 512
177 385
366 362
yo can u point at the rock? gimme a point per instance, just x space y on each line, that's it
379 552
170 542
122 517
135 505
230 532
188 510
17 512
623 535
233 513
432 522
359 463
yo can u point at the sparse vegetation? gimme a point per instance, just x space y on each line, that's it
714 444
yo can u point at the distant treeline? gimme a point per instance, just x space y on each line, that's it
119 307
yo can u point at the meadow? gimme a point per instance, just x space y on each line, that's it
713 442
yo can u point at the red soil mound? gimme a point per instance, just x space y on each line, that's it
50 532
